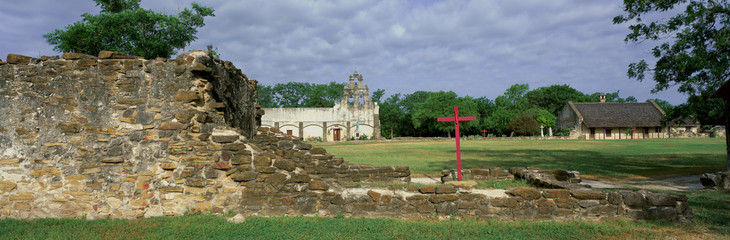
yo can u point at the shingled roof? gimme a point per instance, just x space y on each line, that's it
645 114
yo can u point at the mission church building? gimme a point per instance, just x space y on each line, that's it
602 120
354 116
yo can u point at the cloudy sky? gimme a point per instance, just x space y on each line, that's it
476 48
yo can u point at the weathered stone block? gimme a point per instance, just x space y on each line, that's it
285 145
18 59
244 176
6 186
131 101
509 202
70 127
318 150
112 160
224 136
445 190
526 193
221 165
425 208
364 207
555 193
186 96
75 56
238 160
168 166
588 203
447 208
402 169
266 169
114 55
615 198
261 161
375 196
337 200
240 148
300 178
86 62
545 203
285 165
480 172
662 214
634 199
588 194
443 198
661 200
427 190
303 146
44 172
195 182
173 126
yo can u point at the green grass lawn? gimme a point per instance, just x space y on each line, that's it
215 227
650 158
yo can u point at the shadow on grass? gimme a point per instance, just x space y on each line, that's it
652 166
712 207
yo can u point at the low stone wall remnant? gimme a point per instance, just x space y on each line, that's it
123 137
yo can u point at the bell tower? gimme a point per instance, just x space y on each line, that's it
356 93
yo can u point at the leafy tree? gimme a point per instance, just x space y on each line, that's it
524 126
516 94
666 106
610 97
377 95
499 120
123 26
485 108
441 104
324 95
292 94
630 99
696 56
297 94
553 98
266 96
393 119
545 118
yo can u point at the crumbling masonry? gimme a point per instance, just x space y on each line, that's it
122 137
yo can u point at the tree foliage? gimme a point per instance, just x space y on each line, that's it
524 126
298 94
123 26
695 54
553 98
441 104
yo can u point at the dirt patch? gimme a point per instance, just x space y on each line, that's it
682 183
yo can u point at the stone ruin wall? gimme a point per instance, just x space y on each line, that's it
122 137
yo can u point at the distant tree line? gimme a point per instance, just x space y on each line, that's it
519 111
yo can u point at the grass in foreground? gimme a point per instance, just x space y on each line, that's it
208 226
711 210
609 159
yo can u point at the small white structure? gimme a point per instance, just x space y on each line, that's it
355 116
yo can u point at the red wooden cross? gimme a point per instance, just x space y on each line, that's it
456 120
484 132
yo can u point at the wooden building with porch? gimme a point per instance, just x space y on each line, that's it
602 120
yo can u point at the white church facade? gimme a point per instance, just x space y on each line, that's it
353 117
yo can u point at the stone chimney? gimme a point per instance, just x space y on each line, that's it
602 98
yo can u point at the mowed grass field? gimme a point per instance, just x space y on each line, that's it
604 159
